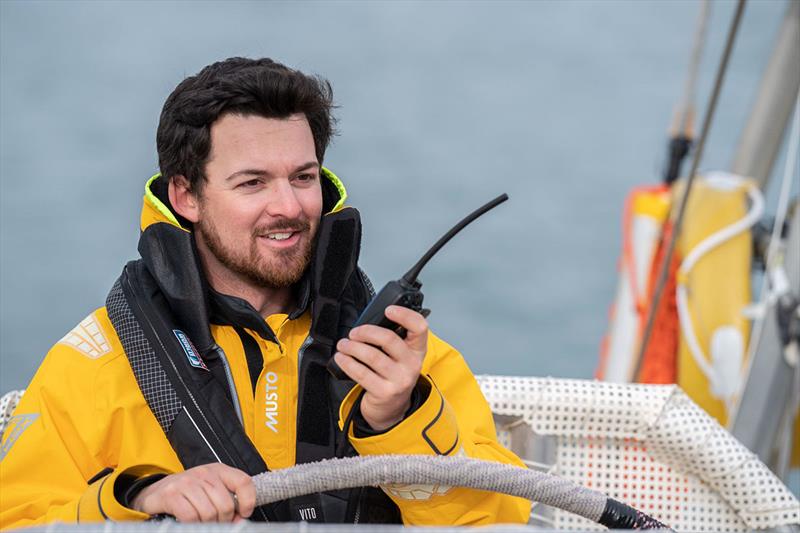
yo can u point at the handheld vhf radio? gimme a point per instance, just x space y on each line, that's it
406 290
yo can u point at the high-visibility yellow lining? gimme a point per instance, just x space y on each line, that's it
165 211
158 204
339 187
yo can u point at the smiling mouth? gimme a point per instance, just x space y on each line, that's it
279 236
283 238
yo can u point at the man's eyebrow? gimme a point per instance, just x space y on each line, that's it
261 173
306 166
248 172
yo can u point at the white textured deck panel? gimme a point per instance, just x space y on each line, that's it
649 446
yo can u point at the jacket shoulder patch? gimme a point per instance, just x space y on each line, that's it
415 492
419 492
16 425
88 338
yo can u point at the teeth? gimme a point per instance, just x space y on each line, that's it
279 236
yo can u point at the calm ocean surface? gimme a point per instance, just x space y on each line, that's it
443 105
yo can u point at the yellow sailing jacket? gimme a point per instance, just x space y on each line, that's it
83 425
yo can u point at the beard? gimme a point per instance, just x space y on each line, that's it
282 269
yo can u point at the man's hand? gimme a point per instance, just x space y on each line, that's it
387 366
201 494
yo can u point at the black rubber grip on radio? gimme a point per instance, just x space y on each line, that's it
393 293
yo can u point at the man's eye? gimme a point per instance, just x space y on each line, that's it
305 177
250 183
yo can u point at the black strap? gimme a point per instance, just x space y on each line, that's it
252 354
338 246
196 416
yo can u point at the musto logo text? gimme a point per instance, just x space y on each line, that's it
271 407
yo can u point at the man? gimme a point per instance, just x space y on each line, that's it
207 363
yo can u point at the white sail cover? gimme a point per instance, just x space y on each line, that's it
649 446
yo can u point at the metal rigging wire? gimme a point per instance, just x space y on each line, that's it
682 128
664 267
690 88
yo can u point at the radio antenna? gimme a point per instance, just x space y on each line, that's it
410 277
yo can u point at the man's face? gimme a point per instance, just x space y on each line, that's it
260 206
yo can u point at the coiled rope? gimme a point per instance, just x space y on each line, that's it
388 470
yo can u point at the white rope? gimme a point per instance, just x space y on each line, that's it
383 470
705 246
547 469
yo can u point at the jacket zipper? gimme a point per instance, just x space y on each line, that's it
301 351
231 384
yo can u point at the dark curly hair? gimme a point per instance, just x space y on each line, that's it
243 86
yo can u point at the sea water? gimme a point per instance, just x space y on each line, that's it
442 106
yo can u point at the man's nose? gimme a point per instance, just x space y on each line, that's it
283 200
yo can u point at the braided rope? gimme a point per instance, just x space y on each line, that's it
435 471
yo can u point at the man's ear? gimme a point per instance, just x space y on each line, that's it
183 199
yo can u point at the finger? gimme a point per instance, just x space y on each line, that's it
246 495
402 352
414 322
359 373
196 495
183 510
247 501
415 325
240 484
385 339
221 499
376 359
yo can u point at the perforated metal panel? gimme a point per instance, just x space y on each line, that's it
647 445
